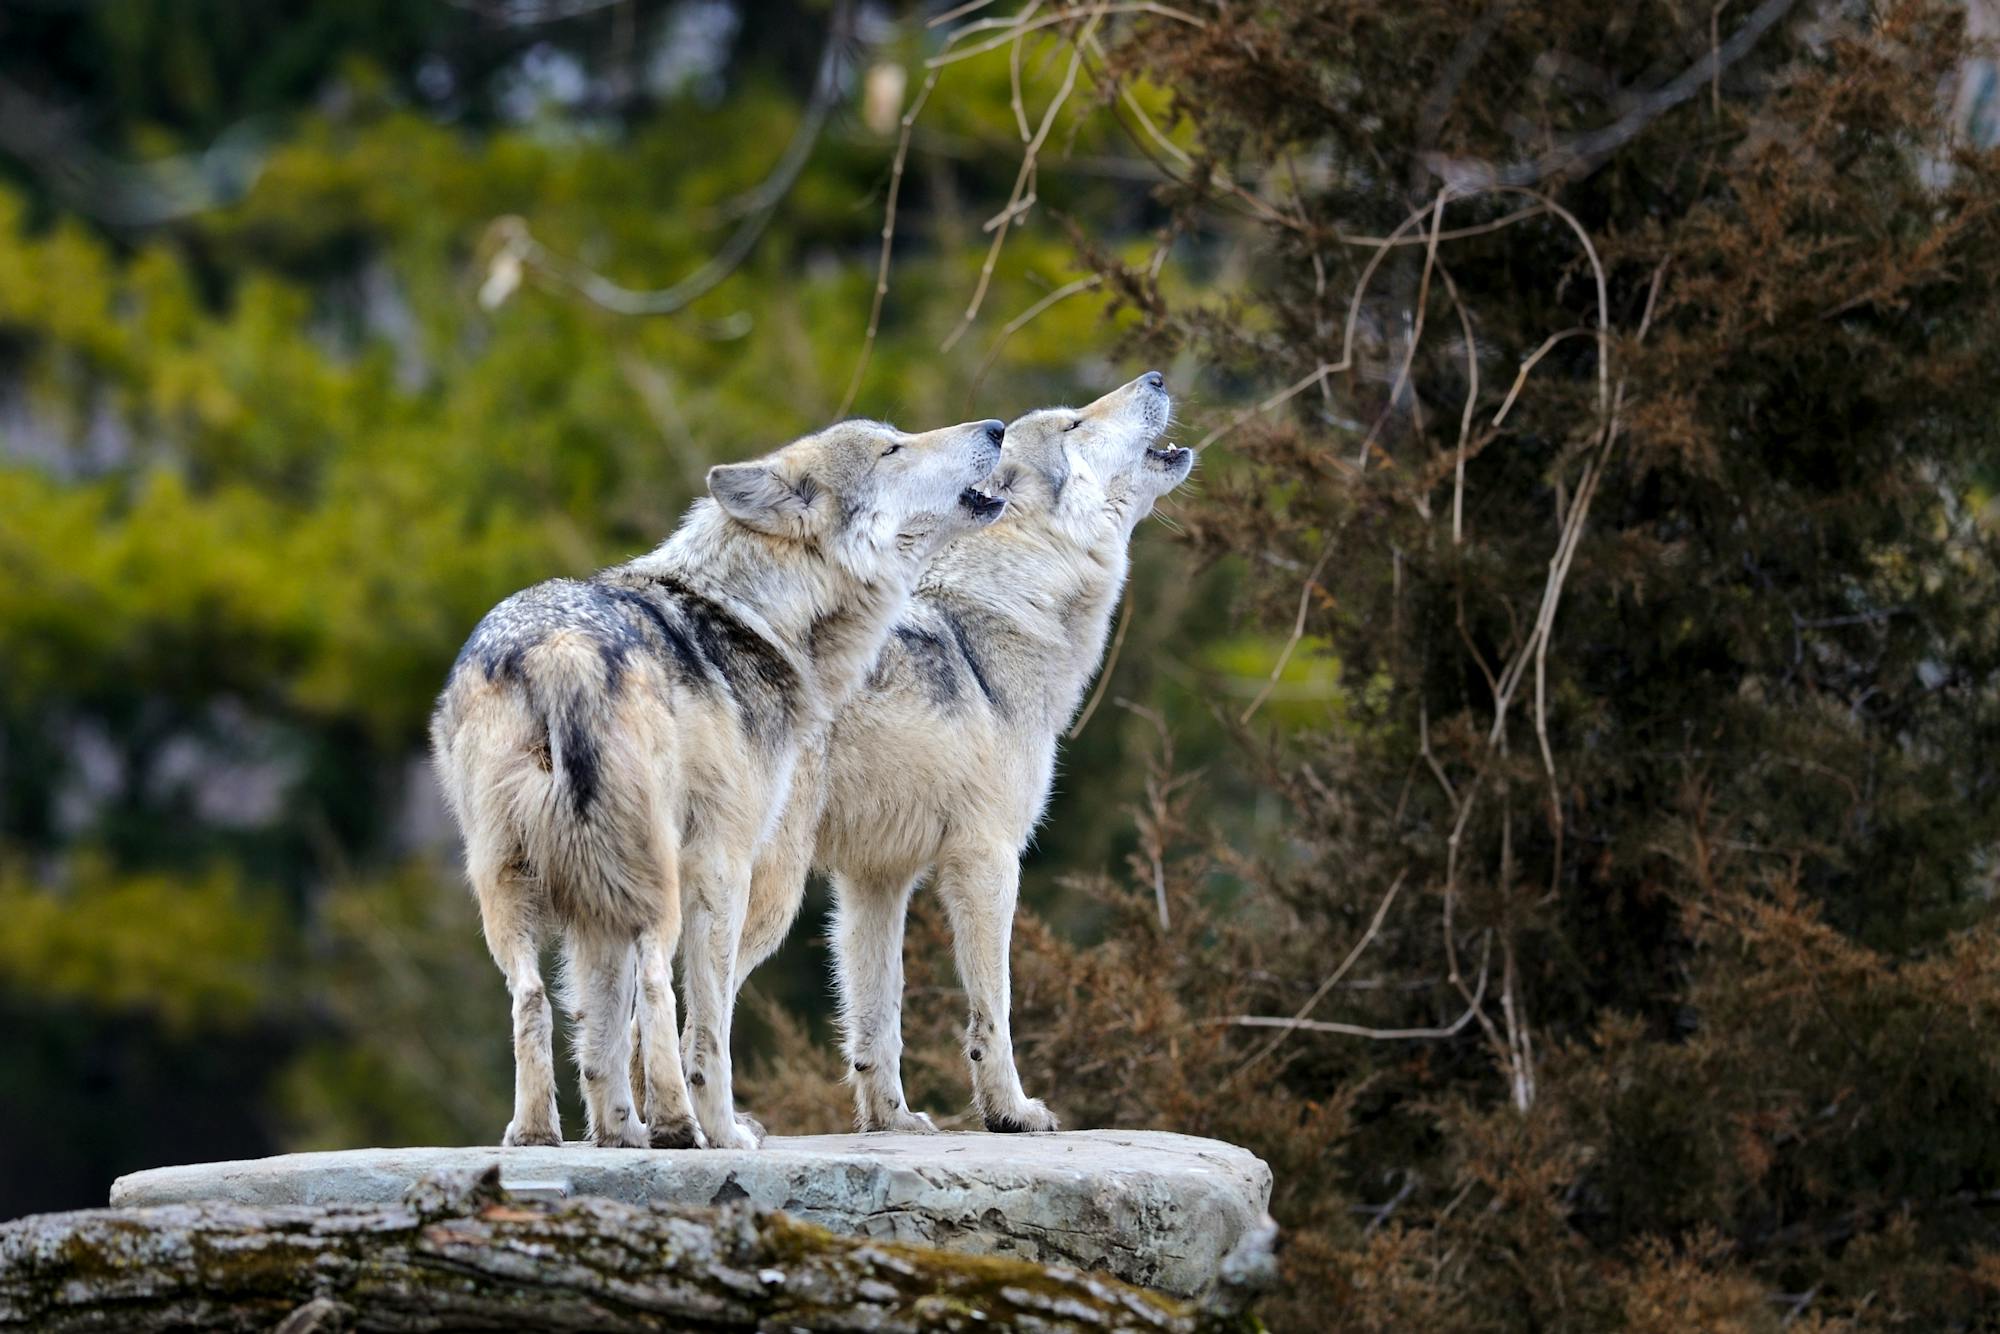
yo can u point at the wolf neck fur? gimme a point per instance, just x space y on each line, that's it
827 621
1055 608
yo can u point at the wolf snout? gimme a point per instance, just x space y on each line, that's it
996 431
1153 380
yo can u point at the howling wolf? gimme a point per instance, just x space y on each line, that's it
944 760
615 748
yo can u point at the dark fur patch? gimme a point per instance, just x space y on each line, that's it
674 644
1005 1125
957 628
932 659
679 1134
763 682
580 761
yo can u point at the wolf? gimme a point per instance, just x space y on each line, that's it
943 762
614 748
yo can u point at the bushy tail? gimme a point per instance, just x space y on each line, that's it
566 762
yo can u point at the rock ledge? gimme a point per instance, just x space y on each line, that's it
1150 1208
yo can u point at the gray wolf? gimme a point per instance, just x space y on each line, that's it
614 749
943 762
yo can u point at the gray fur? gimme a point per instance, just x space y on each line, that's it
942 765
614 748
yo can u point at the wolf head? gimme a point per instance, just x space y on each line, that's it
862 492
1085 472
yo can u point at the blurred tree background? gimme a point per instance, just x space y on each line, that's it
266 455
1544 799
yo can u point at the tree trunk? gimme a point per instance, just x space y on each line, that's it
461 1255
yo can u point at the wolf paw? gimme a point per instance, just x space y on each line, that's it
627 1134
902 1121
734 1136
750 1124
681 1133
1032 1115
518 1137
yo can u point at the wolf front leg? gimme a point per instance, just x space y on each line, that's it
868 917
980 886
711 933
510 923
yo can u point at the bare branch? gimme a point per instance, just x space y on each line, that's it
1024 177
1416 328
1021 321
888 242
518 245
1298 633
1332 979
1582 154
1017 26
1450 1030
1104 672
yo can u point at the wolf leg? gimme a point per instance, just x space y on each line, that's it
720 895
600 970
511 924
979 887
669 1115
868 915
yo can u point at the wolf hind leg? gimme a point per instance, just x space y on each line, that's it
670 1116
868 919
980 887
600 972
511 920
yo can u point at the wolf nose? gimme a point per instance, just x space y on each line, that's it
1155 379
996 431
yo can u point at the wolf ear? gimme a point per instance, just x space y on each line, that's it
757 496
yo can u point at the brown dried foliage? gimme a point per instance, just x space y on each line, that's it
1646 470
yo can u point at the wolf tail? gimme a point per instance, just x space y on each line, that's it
568 763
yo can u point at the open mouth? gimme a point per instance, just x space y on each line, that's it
982 507
1168 457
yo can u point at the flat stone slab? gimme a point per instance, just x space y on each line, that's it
1151 1208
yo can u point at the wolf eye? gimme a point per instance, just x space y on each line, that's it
1074 424
891 450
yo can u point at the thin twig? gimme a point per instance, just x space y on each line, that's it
1450 1030
1449 234
1022 320
1023 178
1332 979
1014 27
1521 377
1298 633
1416 329
1015 100
1471 401
1104 672
957 12
1582 154
888 242
518 245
